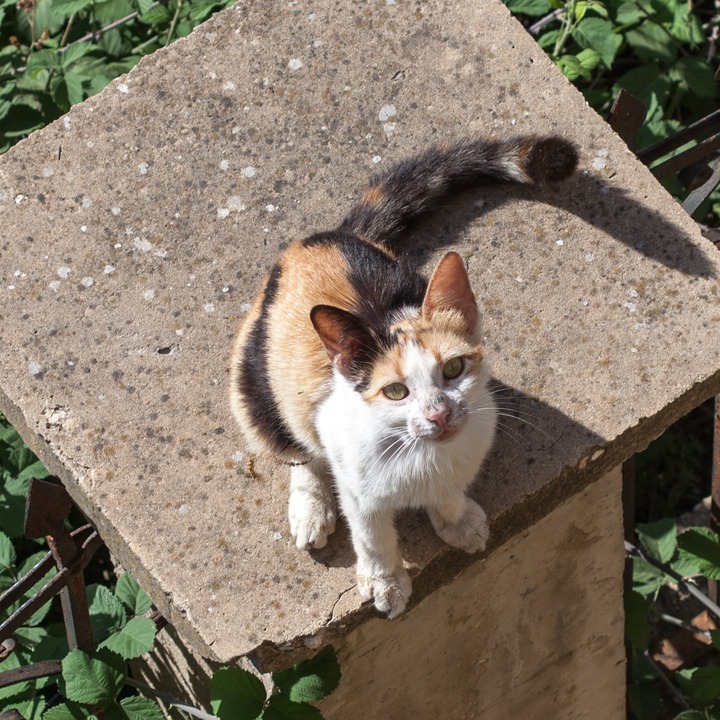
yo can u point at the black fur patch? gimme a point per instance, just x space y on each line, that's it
255 380
551 159
414 186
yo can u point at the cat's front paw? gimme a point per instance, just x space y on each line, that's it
312 518
390 592
470 533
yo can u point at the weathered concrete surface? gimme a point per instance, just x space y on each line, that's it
533 631
137 228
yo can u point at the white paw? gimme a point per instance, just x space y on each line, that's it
312 518
390 592
470 533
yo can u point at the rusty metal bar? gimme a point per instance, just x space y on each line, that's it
702 150
715 492
627 116
710 123
698 196
46 668
88 541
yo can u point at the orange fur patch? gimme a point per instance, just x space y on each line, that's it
372 196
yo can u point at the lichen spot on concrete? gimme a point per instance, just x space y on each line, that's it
248 172
295 64
386 112
149 295
143 168
63 272
209 308
35 368
123 88
87 282
142 245
600 160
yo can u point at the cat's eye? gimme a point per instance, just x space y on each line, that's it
452 368
395 391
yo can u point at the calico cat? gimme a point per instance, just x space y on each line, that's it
370 380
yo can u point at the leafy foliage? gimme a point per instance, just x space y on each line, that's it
97 682
236 693
56 53
661 51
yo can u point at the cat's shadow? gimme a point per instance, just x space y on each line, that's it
530 451
601 205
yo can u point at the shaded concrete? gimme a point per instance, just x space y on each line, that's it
533 631
139 226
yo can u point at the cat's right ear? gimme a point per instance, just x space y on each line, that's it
348 344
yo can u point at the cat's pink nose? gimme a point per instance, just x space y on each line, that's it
439 416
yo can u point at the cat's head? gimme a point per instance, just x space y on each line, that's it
426 374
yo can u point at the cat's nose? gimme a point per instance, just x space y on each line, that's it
439 416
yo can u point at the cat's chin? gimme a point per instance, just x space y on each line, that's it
439 435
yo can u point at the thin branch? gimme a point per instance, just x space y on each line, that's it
95 34
692 589
64 38
169 700
171 29
684 625
537 26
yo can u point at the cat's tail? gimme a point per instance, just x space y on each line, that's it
414 186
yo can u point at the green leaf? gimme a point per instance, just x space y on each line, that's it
133 640
310 680
649 84
236 693
66 8
141 708
702 547
685 25
691 715
599 35
701 684
131 595
659 538
647 579
156 16
588 59
69 711
92 680
572 68
628 13
74 52
695 76
533 8
651 43
7 553
35 470
637 630
281 708
107 614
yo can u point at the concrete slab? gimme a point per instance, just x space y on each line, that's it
139 226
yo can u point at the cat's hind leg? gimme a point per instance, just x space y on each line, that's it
461 522
311 509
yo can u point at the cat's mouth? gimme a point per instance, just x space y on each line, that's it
437 434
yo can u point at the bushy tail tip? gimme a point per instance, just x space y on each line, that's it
550 159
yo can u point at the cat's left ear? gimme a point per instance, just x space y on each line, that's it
348 344
449 289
